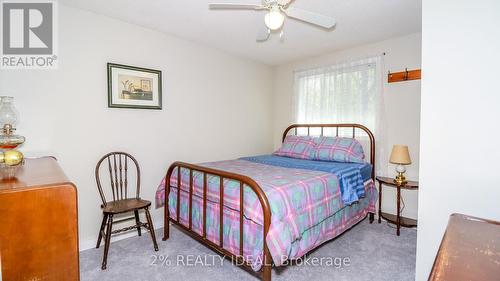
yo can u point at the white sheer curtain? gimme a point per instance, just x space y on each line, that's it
349 92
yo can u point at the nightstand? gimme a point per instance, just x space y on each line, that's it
395 219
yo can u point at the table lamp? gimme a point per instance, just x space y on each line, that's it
400 156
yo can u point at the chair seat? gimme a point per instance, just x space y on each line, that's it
126 205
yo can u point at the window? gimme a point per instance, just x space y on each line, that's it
343 93
350 92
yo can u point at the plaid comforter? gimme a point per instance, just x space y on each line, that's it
349 174
306 208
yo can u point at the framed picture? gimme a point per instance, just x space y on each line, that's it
133 87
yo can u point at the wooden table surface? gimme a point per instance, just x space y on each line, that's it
470 250
390 182
35 173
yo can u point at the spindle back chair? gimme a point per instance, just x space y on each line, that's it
120 166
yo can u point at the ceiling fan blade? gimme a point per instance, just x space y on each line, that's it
263 34
310 17
214 6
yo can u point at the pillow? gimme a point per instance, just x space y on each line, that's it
301 147
338 149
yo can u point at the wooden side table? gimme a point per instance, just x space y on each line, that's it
397 219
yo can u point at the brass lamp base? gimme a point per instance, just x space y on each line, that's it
11 157
400 179
10 162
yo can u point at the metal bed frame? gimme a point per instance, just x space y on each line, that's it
244 181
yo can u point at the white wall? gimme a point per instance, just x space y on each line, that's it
215 106
459 149
402 103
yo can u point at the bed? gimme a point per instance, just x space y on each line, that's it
290 206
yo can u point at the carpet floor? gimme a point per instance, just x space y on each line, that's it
365 253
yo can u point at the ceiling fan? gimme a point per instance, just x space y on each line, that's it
275 16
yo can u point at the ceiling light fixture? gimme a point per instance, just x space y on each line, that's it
276 11
274 19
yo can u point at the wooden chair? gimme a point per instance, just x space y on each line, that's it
118 167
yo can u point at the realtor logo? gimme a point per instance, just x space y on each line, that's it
28 34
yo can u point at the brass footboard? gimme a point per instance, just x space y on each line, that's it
244 181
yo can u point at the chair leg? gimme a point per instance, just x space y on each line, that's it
101 230
107 242
151 228
137 222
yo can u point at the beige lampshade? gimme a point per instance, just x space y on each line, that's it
400 155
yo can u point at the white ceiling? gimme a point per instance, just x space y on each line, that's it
234 31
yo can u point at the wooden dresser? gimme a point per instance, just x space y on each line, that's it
470 250
39 224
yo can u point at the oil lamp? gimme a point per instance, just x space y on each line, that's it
8 140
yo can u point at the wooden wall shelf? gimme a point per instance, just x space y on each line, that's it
406 75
